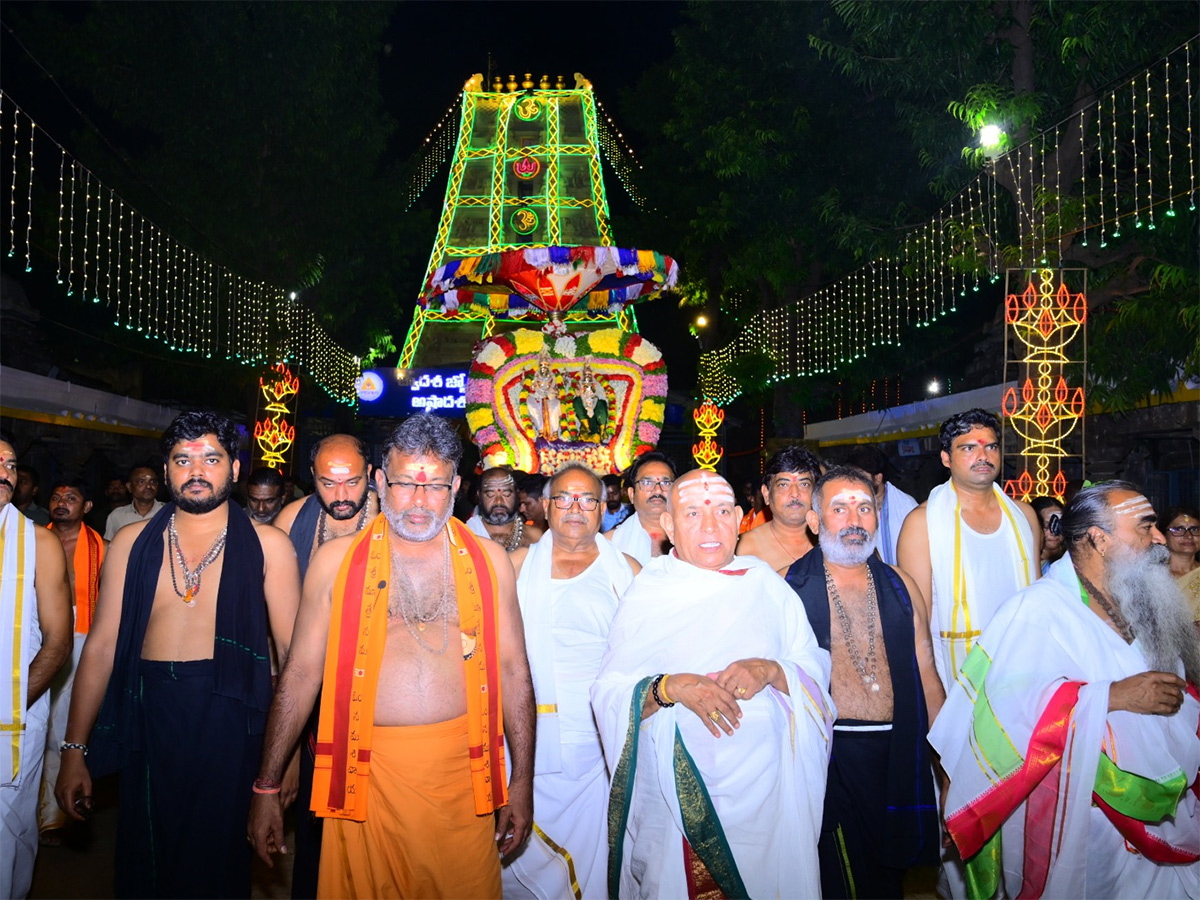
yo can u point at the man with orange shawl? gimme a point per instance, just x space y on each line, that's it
84 548
410 742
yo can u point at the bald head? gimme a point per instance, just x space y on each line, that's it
497 496
340 474
702 519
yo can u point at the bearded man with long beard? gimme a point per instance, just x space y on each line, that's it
411 632
1071 745
880 817
175 675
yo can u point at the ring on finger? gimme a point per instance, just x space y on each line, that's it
715 716
741 691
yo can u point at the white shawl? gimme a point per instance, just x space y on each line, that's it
630 537
961 608
476 525
766 781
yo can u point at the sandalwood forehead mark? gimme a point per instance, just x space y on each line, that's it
339 470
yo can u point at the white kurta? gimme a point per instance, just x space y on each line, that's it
630 537
896 507
23 738
566 631
969 587
766 781
476 525
1040 639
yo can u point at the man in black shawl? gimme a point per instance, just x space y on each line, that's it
176 675
880 813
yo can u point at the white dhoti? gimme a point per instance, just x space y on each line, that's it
566 631
22 728
750 804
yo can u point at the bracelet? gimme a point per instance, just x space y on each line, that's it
71 745
658 696
662 691
265 786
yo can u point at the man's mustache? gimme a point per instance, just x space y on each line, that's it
854 531
196 482
8 484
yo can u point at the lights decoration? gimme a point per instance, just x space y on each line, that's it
1118 152
274 434
629 371
708 418
1045 350
109 253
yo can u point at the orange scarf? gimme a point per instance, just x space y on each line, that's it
89 554
354 654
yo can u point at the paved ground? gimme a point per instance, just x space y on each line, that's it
83 866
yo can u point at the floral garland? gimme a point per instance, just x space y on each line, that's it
523 346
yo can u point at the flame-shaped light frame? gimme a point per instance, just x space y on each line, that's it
1046 353
708 418
274 434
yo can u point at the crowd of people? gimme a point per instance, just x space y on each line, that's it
659 688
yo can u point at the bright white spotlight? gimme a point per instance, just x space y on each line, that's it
701 321
934 388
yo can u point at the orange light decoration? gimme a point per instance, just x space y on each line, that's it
1046 346
273 434
708 418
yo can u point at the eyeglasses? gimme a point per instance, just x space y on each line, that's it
649 484
1181 530
565 501
434 489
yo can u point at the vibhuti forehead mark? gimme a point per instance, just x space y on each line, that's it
1134 506
339 470
708 488
418 472
852 496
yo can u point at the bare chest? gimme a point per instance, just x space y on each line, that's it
421 678
861 682
176 630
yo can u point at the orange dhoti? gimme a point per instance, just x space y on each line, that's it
422 837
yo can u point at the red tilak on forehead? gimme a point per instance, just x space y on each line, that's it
421 476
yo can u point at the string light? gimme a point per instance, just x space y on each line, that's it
29 203
71 238
1170 213
12 195
1149 160
1133 136
62 172
1100 167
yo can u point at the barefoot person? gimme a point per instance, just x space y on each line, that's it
880 816
84 549
568 585
176 674
36 616
1070 737
713 706
410 631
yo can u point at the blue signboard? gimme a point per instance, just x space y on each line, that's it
441 391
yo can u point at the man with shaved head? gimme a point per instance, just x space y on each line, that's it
344 501
1070 739
714 711
568 585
